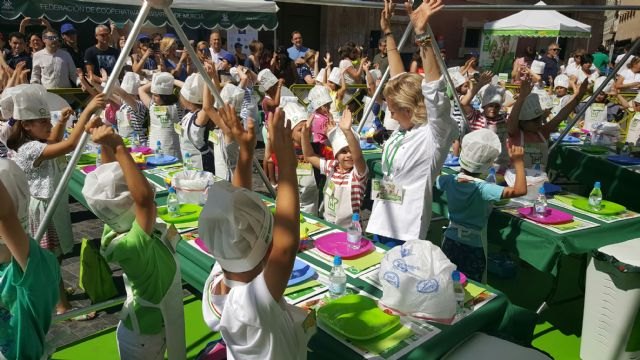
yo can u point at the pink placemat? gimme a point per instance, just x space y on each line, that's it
553 216
142 149
88 169
201 245
336 244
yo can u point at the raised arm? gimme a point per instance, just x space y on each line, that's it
563 114
286 229
516 153
395 61
275 102
621 100
354 145
420 20
309 155
144 92
513 120
52 151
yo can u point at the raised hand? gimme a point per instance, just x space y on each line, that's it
485 78
386 15
98 102
516 153
280 139
346 121
244 138
525 88
420 16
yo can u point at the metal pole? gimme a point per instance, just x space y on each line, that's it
214 91
385 76
634 48
445 72
64 181
470 8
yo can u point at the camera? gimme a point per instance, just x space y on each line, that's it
154 46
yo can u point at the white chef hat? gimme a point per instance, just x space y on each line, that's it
233 95
537 67
335 76
6 100
193 89
416 280
28 103
321 74
599 81
295 113
561 80
492 94
457 78
15 181
130 83
235 75
480 149
236 226
338 140
266 79
531 108
162 84
108 196
318 96
287 96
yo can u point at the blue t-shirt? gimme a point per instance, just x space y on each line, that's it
295 53
27 299
469 206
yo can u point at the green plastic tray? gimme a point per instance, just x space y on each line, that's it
188 213
357 317
595 149
87 159
608 207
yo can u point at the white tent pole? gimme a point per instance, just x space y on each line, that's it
572 122
214 91
385 76
64 181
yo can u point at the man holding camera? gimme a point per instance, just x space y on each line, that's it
70 44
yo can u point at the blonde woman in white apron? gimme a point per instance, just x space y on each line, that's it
152 318
164 113
526 128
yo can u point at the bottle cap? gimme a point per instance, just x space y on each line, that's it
158 143
337 260
455 276
172 190
492 170
355 217
597 185
541 190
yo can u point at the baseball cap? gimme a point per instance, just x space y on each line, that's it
67 27
230 58
143 37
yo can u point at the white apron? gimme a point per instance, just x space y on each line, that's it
161 127
170 306
596 114
124 122
633 133
307 188
337 202
535 153
197 147
465 232
500 129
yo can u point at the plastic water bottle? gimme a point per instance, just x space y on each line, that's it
354 232
337 279
187 163
173 204
98 157
135 139
540 205
587 139
158 149
458 291
491 178
595 197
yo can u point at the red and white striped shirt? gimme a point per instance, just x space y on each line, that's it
340 178
477 120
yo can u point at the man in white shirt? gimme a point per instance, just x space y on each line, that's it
619 58
52 66
215 46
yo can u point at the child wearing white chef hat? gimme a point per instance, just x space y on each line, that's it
38 145
25 269
118 194
256 252
469 200
132 113
346 174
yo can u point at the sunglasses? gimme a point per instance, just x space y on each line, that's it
52 38
555 49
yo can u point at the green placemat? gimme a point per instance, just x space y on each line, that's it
365 262
305 285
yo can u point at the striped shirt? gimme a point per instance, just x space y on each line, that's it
137 119
340 177
477 120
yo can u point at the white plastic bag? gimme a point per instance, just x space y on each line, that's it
192 186
535 179
416 280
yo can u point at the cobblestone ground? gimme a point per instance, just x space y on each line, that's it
86 225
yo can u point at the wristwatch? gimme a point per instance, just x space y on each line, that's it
423 39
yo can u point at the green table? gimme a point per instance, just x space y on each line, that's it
196 265
537 246
619 184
